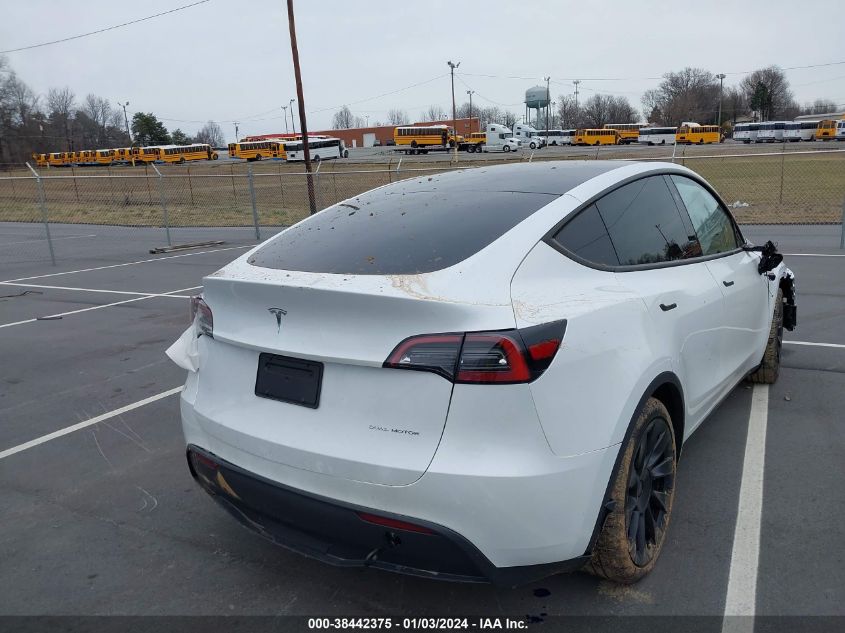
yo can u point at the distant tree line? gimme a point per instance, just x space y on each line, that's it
59 122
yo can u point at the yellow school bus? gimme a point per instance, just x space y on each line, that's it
256 150
105 156
148 154
123 154
424 137
40 159
698 134
55 159
84 157
826 130
628 132
595 136
184 153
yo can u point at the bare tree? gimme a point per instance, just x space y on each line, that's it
691 94
396 116
567 113
819 106
596 110
212 134
435 113
768 93
621 111
60 105
509 119
343 119
734 104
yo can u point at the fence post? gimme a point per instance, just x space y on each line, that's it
782 160
163 203
842 227
252 199
317 185
42 201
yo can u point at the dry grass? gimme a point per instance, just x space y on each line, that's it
778 189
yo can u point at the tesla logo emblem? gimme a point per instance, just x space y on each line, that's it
278 313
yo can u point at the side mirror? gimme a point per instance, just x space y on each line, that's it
769 256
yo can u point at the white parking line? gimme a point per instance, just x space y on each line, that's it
833 345
140 261
114 292
54 239
86 423
741 598
106 305
814 255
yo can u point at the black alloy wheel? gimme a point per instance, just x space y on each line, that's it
650 482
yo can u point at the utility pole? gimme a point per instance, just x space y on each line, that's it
721 77
368 119
126 120
452 68
292 122
575 117
236 132
470 93
312 201
285 110
548 107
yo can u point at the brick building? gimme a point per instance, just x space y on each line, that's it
367 136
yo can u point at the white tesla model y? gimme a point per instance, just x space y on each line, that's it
486 374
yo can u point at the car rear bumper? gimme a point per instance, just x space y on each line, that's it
347 535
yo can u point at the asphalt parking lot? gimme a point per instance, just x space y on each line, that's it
105 518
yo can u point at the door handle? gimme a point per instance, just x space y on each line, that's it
666 308
728 284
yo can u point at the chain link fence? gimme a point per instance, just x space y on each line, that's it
76 213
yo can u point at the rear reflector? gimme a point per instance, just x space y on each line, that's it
197 459
502 357
395 524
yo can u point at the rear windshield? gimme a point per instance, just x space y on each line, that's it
423 224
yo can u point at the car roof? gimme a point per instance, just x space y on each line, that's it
552 177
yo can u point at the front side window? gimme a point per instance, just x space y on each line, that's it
645 224
711 222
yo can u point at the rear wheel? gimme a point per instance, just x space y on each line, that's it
506 148
767 372
641 497
258 157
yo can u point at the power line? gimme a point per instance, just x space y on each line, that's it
109 28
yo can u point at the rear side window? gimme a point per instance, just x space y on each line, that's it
712 225
645 224
586 236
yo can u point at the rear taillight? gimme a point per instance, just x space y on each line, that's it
202 317
503 357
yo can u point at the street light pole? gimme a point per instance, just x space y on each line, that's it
470 93
452 68
236 132
721 77
576 82
126 120
292 122
285 110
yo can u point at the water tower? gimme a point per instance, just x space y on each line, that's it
536 98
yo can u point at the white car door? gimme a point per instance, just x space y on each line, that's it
652 240
747 294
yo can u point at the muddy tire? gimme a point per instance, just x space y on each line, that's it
641 494
767 372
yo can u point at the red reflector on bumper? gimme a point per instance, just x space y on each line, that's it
393 523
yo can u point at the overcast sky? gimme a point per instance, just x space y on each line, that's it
230 60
